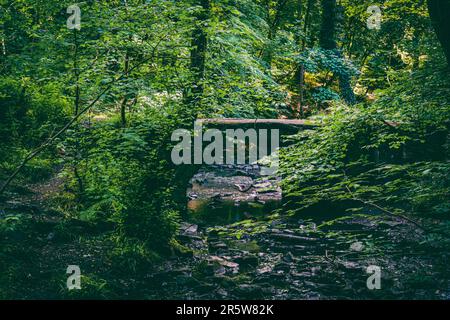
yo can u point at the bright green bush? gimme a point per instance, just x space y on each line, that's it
392 154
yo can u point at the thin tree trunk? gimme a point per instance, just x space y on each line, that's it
328 27
77 73
123 105
328 42
79 180
300 72
306 25
300 79
76 111
199 47
274 24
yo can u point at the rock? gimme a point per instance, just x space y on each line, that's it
190 237
242 187
350 265
303 274
223 262
263 270
314 270
222 293
291 237
282 266
229 264
263 185
192 196
220 271
218 245
188 228
357 246
288 257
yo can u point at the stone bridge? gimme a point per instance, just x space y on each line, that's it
231 191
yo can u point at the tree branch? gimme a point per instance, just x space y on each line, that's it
53 137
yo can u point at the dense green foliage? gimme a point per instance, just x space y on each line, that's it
137 70
359 154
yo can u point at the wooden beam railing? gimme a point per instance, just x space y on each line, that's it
269 122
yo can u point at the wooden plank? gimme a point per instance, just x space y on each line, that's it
237 121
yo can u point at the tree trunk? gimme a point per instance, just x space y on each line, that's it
307 23
76 111
328 42
199 45
77 73
439 11
123 105
300 81
300 72
328 27
274 24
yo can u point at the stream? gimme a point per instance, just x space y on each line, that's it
237 242
245 248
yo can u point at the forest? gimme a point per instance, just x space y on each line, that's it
97 201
